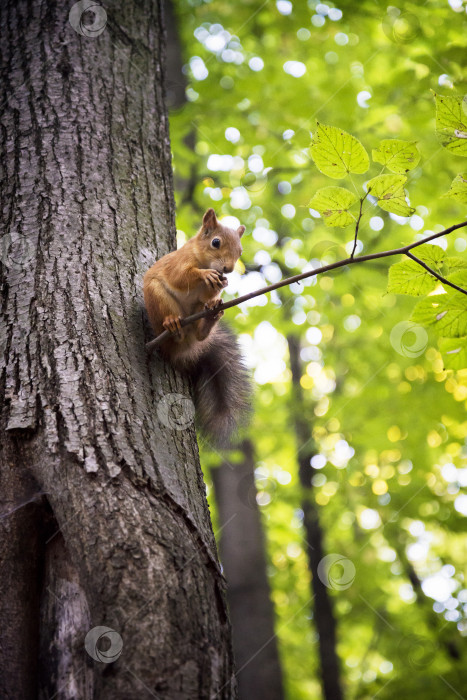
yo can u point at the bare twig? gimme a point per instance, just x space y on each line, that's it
304 275
357 225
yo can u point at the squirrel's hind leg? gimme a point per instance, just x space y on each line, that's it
163 310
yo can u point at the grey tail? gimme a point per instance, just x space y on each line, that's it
222 388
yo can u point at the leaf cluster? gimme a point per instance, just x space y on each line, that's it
338 154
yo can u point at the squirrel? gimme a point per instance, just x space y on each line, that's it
187 281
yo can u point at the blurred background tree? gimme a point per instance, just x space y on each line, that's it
364 399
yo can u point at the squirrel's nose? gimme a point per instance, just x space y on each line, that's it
227 269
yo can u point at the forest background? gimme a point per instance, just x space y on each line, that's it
382 394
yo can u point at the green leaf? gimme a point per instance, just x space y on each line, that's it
390 193
407 277
336 153
432 255
459 277
398 156
453 264
458 189
333 203
454 351
447 313
451 123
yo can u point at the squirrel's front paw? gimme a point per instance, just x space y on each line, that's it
214 279
212 305
172 324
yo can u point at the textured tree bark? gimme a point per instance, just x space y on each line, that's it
322 609
243 557
118 533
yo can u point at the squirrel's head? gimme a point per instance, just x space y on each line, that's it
220 245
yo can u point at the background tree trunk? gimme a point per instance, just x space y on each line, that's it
322 609
118 522
243 557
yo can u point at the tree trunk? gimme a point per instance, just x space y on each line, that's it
104 517
444 634
322 608
243 557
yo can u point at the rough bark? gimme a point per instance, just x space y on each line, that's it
322 608
86 206
243 556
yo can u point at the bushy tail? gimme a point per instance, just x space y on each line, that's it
222 388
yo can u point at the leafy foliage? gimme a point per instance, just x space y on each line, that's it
333 204
447 312
458 189
387 410
390 193
407 277
336 153
397 155
451 123
454 352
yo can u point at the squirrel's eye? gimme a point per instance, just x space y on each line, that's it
216 242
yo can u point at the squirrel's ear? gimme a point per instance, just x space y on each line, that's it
240 231
209 220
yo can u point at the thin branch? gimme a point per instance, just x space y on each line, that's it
304 275
435 274
356 228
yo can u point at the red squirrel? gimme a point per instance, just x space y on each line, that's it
187 281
